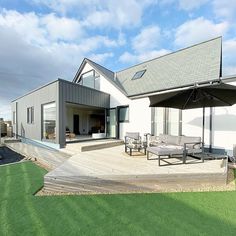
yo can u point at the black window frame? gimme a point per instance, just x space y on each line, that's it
123 120
95 76
30 115
139 74
14 117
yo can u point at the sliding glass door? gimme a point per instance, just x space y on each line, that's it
111 123
173 121
49 122
166 121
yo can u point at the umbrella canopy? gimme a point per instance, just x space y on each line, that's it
212 95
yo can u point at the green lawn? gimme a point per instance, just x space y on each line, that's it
21 213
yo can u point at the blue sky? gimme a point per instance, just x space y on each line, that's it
42 40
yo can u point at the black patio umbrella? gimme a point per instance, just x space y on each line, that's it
198 96
213 95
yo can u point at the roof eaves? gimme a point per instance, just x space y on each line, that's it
146 94
79 70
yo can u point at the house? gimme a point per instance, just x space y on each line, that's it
101 103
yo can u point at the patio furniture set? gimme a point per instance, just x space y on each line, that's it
164 146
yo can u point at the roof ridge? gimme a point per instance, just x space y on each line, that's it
182 49
98 64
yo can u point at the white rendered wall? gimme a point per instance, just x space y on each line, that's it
139 117
139 110
224 127
192 123
223 120
117 98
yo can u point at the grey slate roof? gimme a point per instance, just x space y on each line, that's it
198 63
195 64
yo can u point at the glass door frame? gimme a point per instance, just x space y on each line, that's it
166 118
108 131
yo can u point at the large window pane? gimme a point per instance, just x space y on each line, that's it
30 115
97 82
173 121
88 79
158 122
49 121
124 114
111 123
14 117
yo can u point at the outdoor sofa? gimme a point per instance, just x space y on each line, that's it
172 146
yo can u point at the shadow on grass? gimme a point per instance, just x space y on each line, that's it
141 214
8 156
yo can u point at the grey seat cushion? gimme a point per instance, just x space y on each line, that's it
188 139
170 139
133 135
167 150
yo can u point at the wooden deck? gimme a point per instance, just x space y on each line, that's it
74 148
47 157
110 170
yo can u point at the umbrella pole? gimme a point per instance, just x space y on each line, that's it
203 127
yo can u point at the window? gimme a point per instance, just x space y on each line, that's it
14 117
49 121
166 121
97 81
90 79
124 114
30 115
139 74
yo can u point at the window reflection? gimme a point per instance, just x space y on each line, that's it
49 121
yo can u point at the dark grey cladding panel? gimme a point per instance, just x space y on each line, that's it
75 93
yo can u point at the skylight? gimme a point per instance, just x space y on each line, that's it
139 74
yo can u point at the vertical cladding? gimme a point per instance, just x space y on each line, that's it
34 99
75 93
60 92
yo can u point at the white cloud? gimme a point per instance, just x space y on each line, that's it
61 28
116 14
27 25
189 5
145 45
225 9
103 13
129 58
153 54
5 111
39 29
64 6
186 5
229 57
101 58
33 51
147 40
197 30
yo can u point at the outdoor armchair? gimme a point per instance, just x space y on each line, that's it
132 138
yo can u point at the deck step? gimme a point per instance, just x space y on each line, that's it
106 184
101 146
